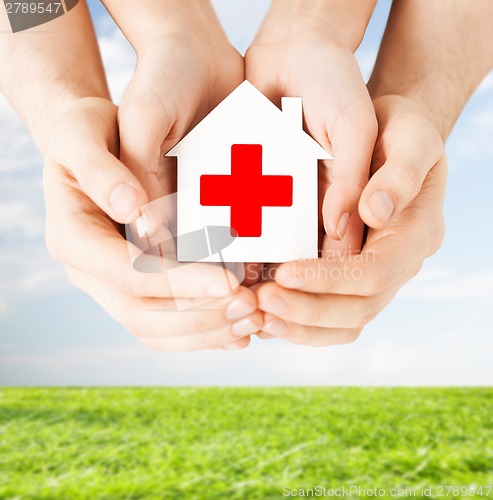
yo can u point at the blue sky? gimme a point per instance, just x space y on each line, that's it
438 331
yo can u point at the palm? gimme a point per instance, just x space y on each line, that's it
176 84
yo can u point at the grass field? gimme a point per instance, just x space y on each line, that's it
240 443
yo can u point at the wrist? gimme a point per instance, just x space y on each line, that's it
342 22
42 110
193 19
428 104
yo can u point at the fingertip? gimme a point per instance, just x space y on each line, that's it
377 208
266 291
288 277
243 343
275 326
124 201
330 217
336 221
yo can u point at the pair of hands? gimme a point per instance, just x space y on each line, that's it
103 163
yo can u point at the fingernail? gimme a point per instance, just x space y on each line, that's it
123 200
265 336
244 327
289 278
274 305
217 290
238 309
143 225
233 346
342 226
382 205
276 327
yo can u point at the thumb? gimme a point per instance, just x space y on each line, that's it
408 147
82 144
108 183
396 183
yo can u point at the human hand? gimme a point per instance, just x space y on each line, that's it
87 189
307 51
186 66
329 301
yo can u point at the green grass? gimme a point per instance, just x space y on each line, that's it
210 443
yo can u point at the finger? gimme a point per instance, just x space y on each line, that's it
341 117
265 336
80 236
148 317
239 344
105 179
389 255
353 138
252 273
414 149
216 339
381 265
351 242
268 272
308 335
220 338
323 310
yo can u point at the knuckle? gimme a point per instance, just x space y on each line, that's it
379 283
352 335
371 125
72 276
356 183
314 316
253 54
149 343
202 342
129 282
249 54
436 144
131 324
370 311
53 245
201 324
408 180
415 271
205 342
437 236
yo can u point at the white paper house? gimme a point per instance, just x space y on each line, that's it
268 178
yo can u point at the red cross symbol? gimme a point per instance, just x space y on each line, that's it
246 190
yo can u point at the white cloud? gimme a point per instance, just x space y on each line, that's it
483 119
21 210
399 348
369 362
445 284
470 143
18 152
26 269
29 272
241 19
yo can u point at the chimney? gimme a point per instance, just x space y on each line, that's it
292 109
